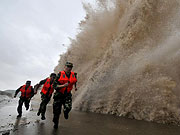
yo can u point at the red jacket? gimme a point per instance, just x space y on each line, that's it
27 93
46 87
64 79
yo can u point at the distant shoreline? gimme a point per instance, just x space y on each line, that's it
9 93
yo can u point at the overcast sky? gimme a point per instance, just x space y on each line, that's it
31 36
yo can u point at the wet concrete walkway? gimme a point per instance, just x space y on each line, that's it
79 123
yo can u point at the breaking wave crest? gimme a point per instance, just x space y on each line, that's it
127 56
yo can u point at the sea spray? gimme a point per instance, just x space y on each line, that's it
127 56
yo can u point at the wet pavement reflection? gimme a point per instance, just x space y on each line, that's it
82 123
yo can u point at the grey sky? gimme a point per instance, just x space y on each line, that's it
31 36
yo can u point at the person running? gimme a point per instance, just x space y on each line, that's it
46 93
63 97
27 92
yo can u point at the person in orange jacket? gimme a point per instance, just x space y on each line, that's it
46 93
27 92
62 97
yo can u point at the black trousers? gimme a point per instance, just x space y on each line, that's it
21 101
59 101
44 101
